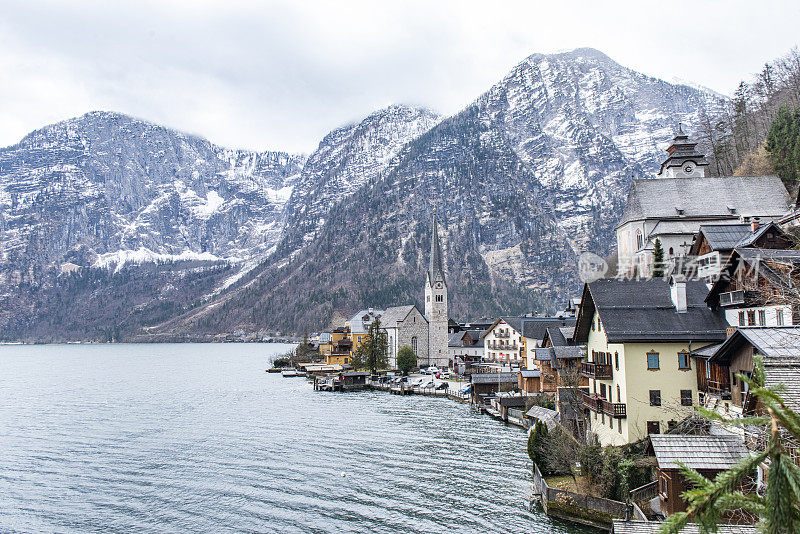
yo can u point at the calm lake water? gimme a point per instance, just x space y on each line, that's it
198 438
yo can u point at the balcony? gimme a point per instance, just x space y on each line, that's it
721 390
598 371
599 404
495 346
731 298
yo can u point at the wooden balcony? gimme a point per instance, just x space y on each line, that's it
598 371
599 404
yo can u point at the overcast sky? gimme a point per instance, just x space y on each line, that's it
279 75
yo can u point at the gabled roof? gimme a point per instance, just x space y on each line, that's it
748 240
357 323
530 373
724 236
698 452
493 378
396 314
724 197
536 327
756 259
642 310
555 336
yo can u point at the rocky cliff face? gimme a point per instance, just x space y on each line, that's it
534 172
526 178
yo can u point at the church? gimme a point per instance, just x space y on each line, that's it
673 205
426 333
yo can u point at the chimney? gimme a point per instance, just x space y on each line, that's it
754 224
677 285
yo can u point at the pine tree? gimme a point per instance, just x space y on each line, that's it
779 509
783 145
658 260
372 353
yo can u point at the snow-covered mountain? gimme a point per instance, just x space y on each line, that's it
532 173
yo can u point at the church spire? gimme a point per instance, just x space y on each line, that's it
436 271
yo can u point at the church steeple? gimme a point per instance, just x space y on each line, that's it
435 271
683 160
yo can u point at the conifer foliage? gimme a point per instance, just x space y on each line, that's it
658 259
372 354
783 145
710 501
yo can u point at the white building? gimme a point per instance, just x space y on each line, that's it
673 206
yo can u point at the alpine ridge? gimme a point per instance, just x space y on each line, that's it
525 178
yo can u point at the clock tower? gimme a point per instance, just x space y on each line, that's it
683 160
436 303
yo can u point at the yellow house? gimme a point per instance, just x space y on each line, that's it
337 351
639 335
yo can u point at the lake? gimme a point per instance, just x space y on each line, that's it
198 438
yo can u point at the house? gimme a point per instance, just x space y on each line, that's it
779 349
639 336
487 385
545 415
673 206
558 359
405 326
509 339
359 325
465 348
529 381
503 342
338 347
708 455
756 287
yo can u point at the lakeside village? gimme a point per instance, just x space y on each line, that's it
704 296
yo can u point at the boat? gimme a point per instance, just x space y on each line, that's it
274 370
288 373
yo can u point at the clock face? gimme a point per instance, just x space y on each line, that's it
688 168
438 285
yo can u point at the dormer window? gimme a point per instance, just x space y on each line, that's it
731 210
678 210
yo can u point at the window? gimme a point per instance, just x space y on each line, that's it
619 426
708 369
359 339
639 241
671 251
683 361
741 318
347 360
610 422
599 326
602 418
762 317
655 397
618 395
779 317
439 298
686 397
653 427
751 317
616 360
428 298
652 361
603 390
414 344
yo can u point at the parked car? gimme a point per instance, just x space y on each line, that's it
443 385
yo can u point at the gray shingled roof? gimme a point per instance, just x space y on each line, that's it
535 327
781 342
657 198
492 378
654 527
725 236
394 315
697 452
788 376
752 237
356 321
530 373
642 310
556 337
545 415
